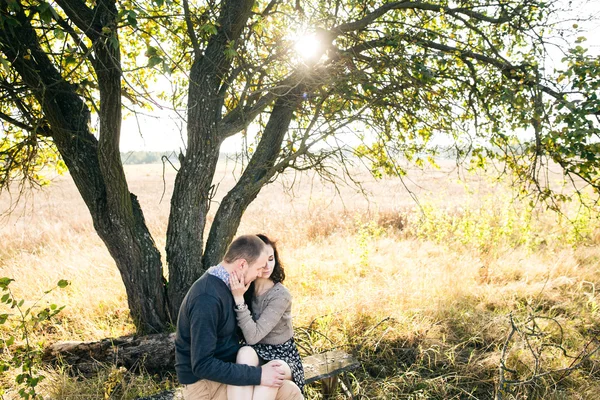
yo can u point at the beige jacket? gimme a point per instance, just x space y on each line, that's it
271 319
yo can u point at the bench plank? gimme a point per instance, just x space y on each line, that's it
327 365
174 394
316 367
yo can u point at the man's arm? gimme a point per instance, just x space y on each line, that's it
204 317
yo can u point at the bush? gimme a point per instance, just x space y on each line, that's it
19 352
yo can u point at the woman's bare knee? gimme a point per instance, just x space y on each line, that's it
247 355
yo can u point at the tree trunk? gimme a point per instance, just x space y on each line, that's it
257 174
156 353
190 201
118 220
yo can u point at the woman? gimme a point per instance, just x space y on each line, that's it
263 311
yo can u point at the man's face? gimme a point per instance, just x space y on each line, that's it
256 269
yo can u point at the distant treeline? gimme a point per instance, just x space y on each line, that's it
155 157
146 157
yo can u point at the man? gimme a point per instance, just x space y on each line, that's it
206 342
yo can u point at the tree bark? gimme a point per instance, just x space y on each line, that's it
192 190
97 171
156 353
116 214
258 172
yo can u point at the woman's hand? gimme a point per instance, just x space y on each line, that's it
238 286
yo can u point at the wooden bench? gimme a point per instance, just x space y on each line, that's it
326 367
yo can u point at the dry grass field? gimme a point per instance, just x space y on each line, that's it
421 294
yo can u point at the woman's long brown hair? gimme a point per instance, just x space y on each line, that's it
278 274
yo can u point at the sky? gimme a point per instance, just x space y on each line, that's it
163 131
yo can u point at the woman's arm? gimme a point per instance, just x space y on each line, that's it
276 306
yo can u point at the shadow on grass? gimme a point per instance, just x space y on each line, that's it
449 354
457 356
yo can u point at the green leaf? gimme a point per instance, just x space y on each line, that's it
132 18
13 6
209 28
154 60
166 68
114 42
59 34
70 59
151 51
4 281
45 12
63 283
3 318
10 21
230 53
5 64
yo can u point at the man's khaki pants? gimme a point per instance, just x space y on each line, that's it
209 390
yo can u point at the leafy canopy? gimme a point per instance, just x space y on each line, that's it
400 77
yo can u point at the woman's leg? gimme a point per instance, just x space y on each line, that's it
269 393
246 355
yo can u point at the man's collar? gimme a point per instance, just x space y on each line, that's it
220 272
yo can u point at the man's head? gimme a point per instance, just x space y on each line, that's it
247 254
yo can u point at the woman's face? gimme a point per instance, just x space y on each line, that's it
270 262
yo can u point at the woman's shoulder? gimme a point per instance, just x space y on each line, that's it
280 291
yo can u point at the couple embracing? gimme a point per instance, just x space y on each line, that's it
242 293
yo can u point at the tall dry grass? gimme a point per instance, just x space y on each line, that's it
420 293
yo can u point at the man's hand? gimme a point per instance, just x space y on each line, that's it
238 286
272 374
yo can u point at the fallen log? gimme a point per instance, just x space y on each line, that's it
156 353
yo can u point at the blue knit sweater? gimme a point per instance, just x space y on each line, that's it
206 342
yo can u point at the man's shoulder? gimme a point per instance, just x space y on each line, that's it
208 282
208 286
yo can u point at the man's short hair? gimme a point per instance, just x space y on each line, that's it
248 247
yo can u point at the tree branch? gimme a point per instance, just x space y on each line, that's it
412 5
255 176
83 16
63 24
507 69
15 122
190 29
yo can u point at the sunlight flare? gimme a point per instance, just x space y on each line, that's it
308 47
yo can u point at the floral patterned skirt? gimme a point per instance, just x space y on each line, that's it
288 352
